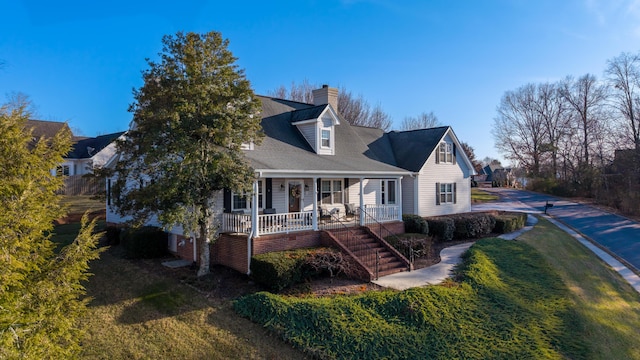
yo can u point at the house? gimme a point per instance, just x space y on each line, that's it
321 180
494 175
87 154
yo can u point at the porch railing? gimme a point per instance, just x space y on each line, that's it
268 223
384 233
236 223
381 213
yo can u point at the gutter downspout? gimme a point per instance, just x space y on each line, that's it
254 224
249 238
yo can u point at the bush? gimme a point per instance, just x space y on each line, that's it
442 228
415 224
507 222
144 243
279 270
404 243
112 233
473 225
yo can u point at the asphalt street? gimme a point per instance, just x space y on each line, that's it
618 234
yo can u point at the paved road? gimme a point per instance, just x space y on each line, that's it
618 234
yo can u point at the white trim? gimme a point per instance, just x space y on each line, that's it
309 173
303 122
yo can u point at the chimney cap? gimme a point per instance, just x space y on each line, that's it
325 86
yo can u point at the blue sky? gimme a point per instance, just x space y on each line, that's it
79 61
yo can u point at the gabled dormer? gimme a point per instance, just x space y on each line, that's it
317 124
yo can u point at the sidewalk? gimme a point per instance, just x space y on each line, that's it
451 256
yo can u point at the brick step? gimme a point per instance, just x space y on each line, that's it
391 271
364 251
384 261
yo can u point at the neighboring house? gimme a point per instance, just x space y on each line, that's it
317 175
90 153
495 175
87 154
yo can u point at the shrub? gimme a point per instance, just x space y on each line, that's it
144 243
442 228
112 233
279 270
507 222
473 225
419 243
415 224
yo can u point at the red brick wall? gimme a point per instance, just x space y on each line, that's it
396 227
282 242
231 251
184 251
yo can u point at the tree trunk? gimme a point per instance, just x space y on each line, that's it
205 239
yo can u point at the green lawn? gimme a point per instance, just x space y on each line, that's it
81 203
139 313
480 196
543 297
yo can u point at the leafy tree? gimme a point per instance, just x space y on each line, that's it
40 289
355 109
422 121
190 118
470 152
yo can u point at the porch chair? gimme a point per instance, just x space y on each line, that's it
326 214
349 211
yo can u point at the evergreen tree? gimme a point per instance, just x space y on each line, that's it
190 118
40 288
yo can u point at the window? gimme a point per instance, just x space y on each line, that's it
331 192
326 138
243 201
446 153
62 170
446 193
388 192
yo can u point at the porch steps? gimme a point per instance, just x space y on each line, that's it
364 245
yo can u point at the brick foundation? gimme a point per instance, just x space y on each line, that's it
184 248
282 242
396 227
231 251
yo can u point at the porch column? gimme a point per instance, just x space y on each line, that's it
314 218
361 202
399 197
254 210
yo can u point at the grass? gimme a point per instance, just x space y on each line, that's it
481 196
138 313
602 297
555 301
79 204
545 296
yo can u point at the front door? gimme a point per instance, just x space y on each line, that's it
296 195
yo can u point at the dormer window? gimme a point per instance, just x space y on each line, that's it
446 153
326 138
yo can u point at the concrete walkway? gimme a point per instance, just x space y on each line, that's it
451 256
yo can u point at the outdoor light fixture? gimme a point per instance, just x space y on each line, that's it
281 187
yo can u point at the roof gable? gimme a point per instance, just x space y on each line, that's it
87 148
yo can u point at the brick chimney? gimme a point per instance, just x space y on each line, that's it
326 95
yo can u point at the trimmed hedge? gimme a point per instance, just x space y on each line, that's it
112 233
442 228
473 225
415 224
279 270
420 244
144 243
509 222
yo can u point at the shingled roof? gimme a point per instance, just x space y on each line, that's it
86 148
357 148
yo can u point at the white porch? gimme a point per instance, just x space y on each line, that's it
301 204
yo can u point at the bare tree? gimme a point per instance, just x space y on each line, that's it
587 98
623 73
553 109
379 119
519 129
355 109
423 121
